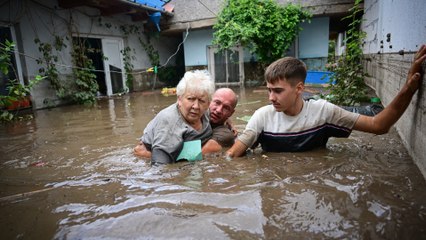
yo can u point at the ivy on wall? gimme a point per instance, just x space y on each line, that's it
83 86
347 86
86 86
48 62
153 55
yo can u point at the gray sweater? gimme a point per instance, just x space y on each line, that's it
164 135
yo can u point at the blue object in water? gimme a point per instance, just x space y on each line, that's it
318 77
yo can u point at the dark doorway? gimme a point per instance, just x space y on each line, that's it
6 34
93 48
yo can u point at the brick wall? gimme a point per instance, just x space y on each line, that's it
388 74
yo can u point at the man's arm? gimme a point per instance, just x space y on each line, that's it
211 146
382 122
141 151
222 137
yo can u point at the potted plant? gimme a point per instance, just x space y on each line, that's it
18 95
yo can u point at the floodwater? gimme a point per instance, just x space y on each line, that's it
70 174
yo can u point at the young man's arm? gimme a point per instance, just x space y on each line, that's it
237 150
382 122
244 141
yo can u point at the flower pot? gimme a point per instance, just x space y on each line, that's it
19 104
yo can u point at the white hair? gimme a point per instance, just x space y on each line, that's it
198 81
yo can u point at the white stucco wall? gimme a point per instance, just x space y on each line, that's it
404 20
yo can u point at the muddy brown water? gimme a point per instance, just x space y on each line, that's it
70 174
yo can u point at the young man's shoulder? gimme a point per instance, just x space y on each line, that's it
268 109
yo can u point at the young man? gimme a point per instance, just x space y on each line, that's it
221 107
292 124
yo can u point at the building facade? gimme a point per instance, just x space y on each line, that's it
46 32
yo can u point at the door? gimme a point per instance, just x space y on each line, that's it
113 65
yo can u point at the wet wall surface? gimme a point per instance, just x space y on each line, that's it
70 174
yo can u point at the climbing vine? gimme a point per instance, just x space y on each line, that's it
168 75
48 62
128 66
264 27
153 55
85 80
347 83
128 30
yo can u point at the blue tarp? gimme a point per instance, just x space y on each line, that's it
318 77
158 4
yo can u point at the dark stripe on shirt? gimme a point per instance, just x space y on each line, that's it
303 140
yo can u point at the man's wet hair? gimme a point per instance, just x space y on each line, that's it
289 69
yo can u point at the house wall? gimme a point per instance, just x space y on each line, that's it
202 14
195 47
313 43
44 19
388 62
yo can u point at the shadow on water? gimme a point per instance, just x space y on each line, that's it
70 173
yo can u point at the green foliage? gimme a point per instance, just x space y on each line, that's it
86 86
130 29
48 62
16 90
5 52
128 67
349 88
331 57
153 55
264 27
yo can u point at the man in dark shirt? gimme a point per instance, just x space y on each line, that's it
221 107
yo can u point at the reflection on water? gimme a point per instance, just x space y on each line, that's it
70 173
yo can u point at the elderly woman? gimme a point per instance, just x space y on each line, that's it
185 120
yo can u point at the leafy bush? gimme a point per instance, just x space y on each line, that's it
264 27
16 91
349 87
